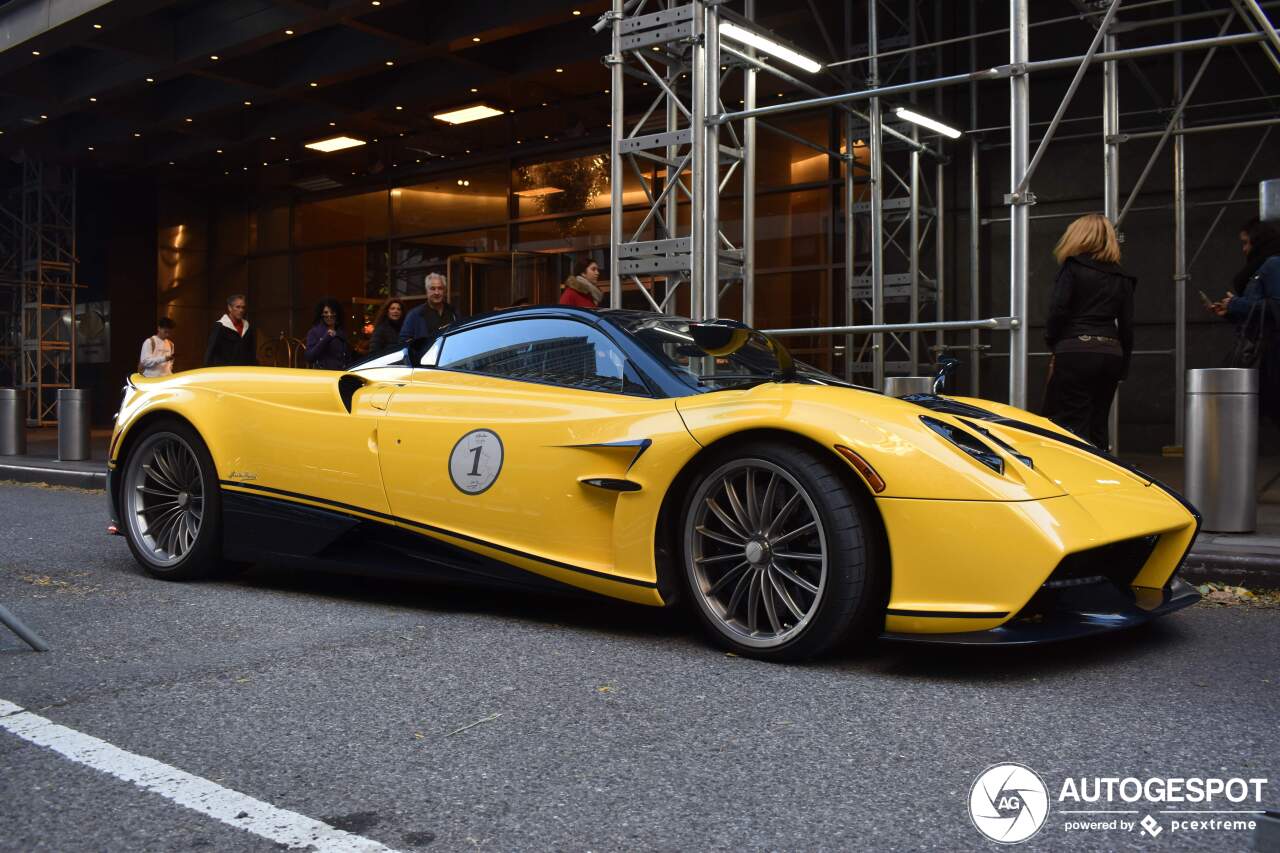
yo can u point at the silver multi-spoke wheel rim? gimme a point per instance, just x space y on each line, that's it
757 551
164 499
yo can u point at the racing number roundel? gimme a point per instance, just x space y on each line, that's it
476 461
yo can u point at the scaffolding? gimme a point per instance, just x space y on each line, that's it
678 46
47 286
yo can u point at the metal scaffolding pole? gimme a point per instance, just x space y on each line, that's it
749 132
1111 181
913 259
940 251
700 244
1019 225
617 127
876 142
1179 257
975 218
710 131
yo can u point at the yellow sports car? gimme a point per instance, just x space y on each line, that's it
648 458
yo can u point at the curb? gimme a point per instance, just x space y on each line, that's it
1250 570
76 478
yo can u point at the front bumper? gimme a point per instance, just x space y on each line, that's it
1071 612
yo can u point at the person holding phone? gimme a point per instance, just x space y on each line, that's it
157 351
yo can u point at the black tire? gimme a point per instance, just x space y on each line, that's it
734 561
170 503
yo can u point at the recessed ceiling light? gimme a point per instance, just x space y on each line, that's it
136 135
93 100
272 138
375 2
288 32
97 26
391 62
90 147
475 90
35 53
577 12
335 124
151 79
170 162
468 151
475 38
214 57
188 118
248 103
334 143
399 107
313 85
466 114
219 151
264 162
42 115
559 70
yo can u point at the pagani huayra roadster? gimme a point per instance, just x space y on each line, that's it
651 459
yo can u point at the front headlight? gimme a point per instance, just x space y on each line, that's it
968 442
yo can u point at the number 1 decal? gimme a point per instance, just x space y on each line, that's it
476 461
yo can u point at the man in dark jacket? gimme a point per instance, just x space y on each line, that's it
231 342
429 318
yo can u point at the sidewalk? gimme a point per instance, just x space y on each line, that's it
40 464
1245 559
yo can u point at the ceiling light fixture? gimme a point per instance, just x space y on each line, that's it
248 103
559 70
314 84
768 45
288 32
577 12
466 114
473 91
475 38
924 121
214 57
42 115
97 26
137 135
334 143
399 107
390 62
151 79
93 100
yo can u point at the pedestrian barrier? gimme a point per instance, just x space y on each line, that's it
1221 453
13 422
73 424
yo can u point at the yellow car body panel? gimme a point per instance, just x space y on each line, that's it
968 546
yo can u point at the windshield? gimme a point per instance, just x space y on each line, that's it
668 338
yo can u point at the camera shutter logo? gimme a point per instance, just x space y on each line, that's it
1008 803
476 461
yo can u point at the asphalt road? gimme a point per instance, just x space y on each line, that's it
606 726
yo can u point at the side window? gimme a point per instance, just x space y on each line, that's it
553 352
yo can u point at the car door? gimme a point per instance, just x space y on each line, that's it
521 437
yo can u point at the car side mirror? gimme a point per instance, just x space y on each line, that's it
726 337
946 366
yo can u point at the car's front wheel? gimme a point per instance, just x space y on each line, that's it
778 554
169 503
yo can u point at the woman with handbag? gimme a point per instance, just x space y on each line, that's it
1089 329
1256 312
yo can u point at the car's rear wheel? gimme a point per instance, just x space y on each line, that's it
170 504
778 554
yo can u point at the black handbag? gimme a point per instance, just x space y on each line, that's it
1254 336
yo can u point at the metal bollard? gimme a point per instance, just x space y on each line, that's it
13 422
73 424
901 386
1221 451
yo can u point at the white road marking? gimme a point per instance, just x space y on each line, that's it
185 789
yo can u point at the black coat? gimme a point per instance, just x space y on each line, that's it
385 337
1091 297
228 347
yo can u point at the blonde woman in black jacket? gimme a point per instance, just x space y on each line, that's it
1089 329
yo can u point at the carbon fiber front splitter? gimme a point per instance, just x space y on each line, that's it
1070 612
